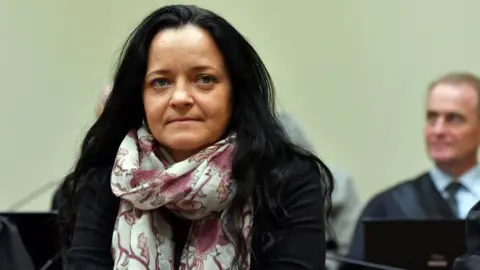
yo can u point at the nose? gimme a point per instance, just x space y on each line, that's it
439 125
181 96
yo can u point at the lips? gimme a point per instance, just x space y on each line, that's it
183 119
438 146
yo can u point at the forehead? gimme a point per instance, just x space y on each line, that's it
452 98
187 45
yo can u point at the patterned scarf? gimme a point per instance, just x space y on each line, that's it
199 189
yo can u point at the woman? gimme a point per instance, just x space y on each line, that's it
187 166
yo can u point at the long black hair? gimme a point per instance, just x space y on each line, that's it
263 152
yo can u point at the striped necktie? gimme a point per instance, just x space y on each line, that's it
452 190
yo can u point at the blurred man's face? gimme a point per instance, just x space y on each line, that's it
452 127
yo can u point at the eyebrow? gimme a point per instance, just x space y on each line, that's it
162 71
433 112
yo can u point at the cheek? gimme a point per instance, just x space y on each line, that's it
226 110
464 140
472 137
219 118
428 133
218 113
223 121
154 110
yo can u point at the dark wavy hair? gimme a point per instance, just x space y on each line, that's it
264 153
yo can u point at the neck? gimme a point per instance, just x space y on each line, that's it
181 155
456 169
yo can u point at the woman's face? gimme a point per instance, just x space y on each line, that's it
187 91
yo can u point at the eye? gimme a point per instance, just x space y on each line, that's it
160 83
454 118
431 117
206 79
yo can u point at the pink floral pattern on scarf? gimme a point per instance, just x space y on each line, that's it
198 189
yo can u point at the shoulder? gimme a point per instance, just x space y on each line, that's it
96 199
304 186
97 188
387 195
292 188
405 185
98 177
303 172
277 239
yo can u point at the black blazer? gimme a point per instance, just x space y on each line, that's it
295 242
471 260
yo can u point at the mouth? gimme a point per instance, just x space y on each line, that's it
438 143
438 146
183 119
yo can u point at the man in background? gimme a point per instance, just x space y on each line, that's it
452 136
346 205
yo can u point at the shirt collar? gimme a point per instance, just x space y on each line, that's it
470 179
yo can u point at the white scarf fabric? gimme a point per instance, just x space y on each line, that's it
146 178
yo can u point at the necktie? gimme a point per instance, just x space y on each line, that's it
452 190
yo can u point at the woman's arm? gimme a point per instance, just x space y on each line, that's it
299 239
92 239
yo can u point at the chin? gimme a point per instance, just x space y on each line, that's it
185 142
441 157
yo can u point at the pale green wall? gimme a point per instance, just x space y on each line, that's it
353 72
55 56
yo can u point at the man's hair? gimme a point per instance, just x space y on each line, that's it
459 78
